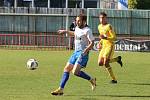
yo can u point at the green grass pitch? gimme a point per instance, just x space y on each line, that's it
19 83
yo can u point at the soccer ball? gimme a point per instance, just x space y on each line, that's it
32 64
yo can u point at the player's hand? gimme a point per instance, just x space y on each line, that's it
103 36
61 31
85 52
99 46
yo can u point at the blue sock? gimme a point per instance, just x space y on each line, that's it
64 79
84 75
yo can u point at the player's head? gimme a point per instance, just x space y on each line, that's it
102 18
81 20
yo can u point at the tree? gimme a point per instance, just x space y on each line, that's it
139 4
1 3
143 4
132 4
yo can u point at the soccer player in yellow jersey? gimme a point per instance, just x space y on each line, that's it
107 37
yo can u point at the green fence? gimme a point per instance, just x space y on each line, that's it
130 22
31 23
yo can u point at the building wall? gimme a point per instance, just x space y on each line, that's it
112 4
53 3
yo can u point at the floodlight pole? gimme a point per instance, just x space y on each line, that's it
32 3
88 16
15 3
66 3
48 4
98 3
82 3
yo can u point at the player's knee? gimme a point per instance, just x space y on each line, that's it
68 68
75 72
106 63
101 63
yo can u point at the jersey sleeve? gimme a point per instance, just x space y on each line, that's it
90 35
112 34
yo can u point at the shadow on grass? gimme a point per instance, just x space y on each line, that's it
137 83
131 96
127 96
88 98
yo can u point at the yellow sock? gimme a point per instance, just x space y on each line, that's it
111 73
113 60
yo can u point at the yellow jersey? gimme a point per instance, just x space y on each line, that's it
107 31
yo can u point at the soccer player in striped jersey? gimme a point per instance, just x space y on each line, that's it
107 37
84 41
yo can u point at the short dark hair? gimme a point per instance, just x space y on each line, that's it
82 16
103 13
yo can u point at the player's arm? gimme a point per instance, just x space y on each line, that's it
101 36
65 31
112 34
100 44
91 42
89 47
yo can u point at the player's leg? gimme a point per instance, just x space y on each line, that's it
68 68
107 56
117 59
77 71
110 71
64 80
101 58
81 62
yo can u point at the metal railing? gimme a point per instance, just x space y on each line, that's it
32 41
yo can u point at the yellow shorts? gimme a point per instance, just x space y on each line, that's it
107 51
